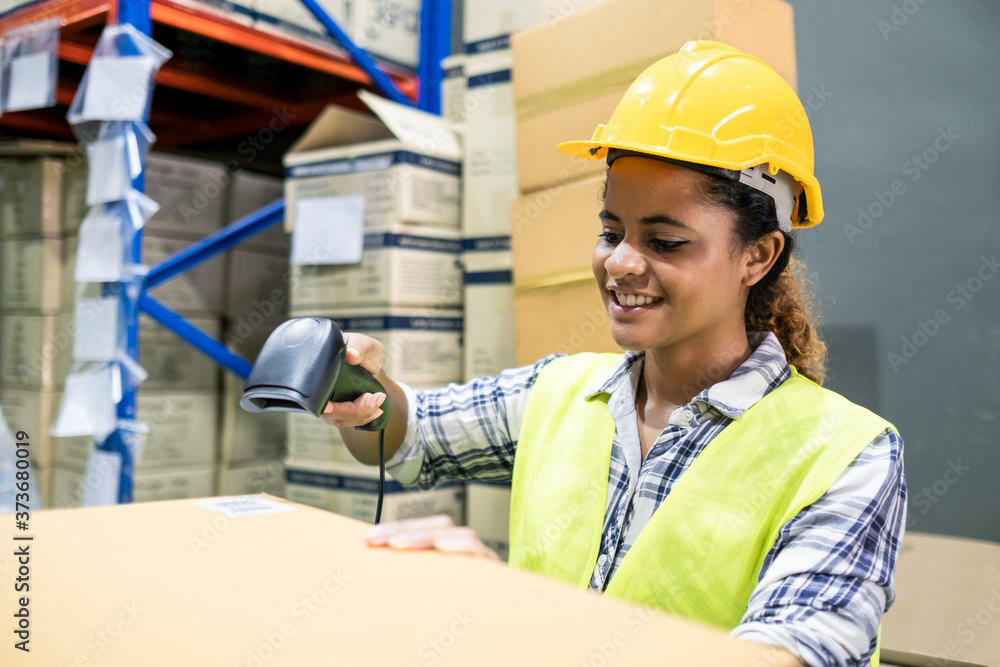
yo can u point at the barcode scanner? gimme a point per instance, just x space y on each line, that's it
302 367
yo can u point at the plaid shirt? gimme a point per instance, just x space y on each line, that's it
826 581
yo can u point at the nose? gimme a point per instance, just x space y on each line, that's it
624 260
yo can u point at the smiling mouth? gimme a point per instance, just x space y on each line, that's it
633 300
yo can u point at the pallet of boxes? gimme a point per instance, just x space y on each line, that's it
42 202
372 204
179 400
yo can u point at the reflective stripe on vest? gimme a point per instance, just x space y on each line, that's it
701 552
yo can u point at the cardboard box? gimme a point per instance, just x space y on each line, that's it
351 489
564 318
487 511
199 290
246 335
490 174
192 195
488 24
35 412
249 436
400 266
171 362
422 345
564 87
250 192
489 308
74 202
36 350
388 30
183 430
247 477
292 18
165 483
554 231
948 600
31 198
31 275
403 161
453 89
225 553
258 282
313 439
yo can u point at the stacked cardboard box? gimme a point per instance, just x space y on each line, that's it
389 31
563 88
41 201
478 97
180 398
257 299
405 291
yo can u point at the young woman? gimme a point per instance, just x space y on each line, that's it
705 472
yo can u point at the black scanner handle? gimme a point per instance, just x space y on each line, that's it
352 381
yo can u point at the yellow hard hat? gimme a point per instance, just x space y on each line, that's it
715 108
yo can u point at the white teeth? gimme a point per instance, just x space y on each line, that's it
634 300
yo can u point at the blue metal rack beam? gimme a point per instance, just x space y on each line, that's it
212 245
379 78
194 254
192 334
435 45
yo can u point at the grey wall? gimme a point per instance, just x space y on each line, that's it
890 94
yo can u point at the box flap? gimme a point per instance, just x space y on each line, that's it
947 610
338 126
425 131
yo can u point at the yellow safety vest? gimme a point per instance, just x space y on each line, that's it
700 554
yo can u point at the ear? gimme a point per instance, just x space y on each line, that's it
761 256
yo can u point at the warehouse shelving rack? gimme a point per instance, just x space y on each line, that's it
239 109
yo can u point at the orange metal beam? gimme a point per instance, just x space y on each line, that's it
46 125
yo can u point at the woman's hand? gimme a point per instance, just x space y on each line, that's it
432 532
368 353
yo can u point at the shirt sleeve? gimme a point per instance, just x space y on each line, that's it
464 431
827 581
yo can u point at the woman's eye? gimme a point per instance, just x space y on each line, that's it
660 244
610 237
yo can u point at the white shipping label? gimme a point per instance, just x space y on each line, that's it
328 230
30 82
88 405
97 328
118 87
234 506
108 175
100 252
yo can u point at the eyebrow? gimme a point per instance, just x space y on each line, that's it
660 218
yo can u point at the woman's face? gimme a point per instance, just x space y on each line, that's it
665 262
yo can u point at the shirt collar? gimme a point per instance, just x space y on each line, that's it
763 370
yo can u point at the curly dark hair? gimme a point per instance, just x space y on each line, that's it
779 301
